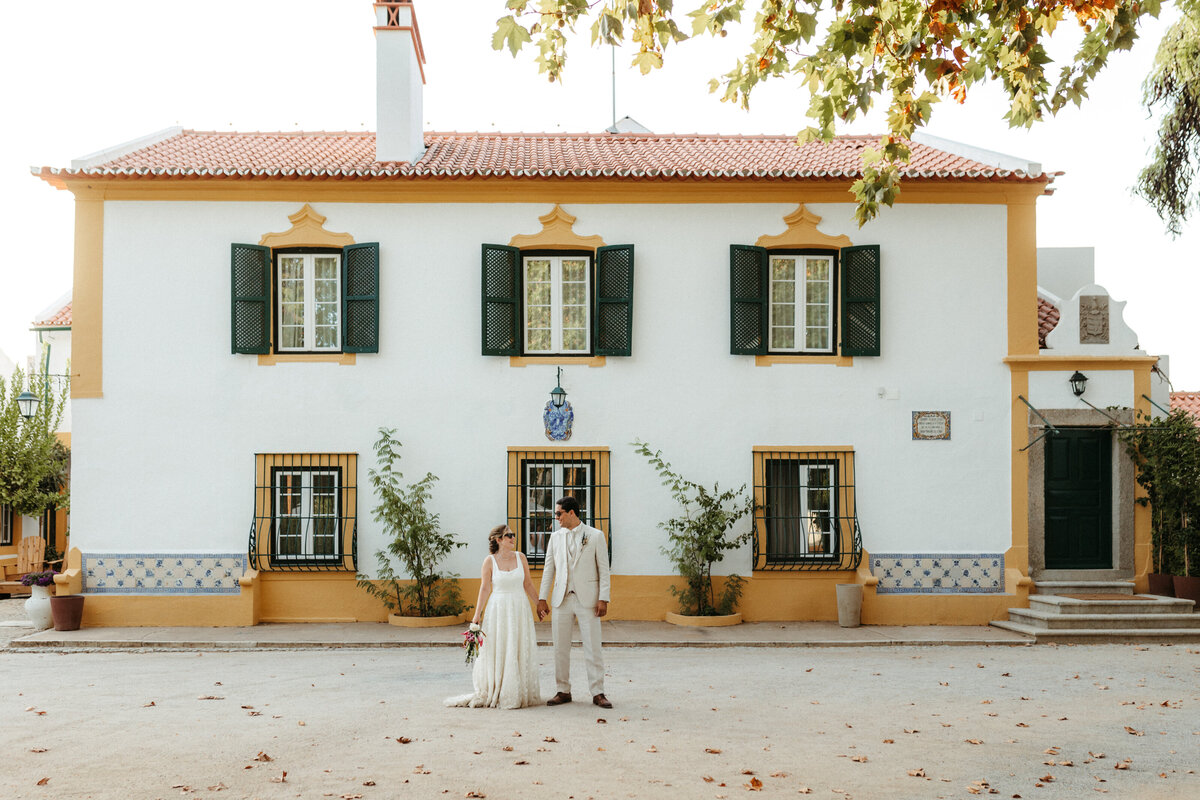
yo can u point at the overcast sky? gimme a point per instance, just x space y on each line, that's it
87 76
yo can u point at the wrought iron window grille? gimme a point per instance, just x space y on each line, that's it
305 513
537 479
805 515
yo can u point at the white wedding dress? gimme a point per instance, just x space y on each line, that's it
505 673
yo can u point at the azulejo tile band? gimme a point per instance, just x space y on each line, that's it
162 573
938 573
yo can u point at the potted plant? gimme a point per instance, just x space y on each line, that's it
698 538
37 607
428 597
1166 451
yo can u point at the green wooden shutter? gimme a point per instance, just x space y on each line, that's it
360 298
747 300
612 327
501 307
860 300
250 298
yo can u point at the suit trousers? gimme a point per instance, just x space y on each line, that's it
589 633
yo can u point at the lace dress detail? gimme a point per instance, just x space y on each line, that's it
505 674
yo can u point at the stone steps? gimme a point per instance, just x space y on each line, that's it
1082 587
1052 618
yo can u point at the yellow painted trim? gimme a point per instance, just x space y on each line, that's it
87 310
308 230
1142 521
1017 556
1043 363
64 437
770 361
805 450
802 232
571 361
534 190
557 234
324 597
271 359
558 448
70 580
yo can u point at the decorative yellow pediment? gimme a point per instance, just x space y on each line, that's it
308 230
802 232
557 234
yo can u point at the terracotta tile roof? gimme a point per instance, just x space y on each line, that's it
1047 320
1188 401
449 155
60 319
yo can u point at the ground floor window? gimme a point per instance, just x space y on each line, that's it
805 509
6 525
538 478
305 514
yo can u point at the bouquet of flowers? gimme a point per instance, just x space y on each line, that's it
473 641
38 578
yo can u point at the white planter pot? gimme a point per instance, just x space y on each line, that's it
849 604
37 607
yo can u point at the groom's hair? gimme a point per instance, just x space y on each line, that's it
569 503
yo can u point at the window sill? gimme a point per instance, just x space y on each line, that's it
575 361
270 360
771 360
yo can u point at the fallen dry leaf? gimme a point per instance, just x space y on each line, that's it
402 740
651 749
973 741
549 739
37 750
804 790
220 787
262 757
419 769
859 759
507 748
713 750
281 779
151 704
368 783
1134 731
209 697
601 721
1095 755
916 773
708 779
779 774
520 762
43 781
914 730
755 785
474 794
1048 778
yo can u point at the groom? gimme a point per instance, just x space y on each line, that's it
577 571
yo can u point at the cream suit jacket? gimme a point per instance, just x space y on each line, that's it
590 571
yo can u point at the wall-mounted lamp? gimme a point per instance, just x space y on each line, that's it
27 403
1078 383
557 395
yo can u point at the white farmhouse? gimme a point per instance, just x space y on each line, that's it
250 309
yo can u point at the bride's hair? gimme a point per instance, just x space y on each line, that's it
494 538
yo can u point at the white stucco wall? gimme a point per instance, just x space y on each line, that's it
165 461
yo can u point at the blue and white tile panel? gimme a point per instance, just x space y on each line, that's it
938 573
162 573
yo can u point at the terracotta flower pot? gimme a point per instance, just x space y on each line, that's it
1160 584
67 612
1188 589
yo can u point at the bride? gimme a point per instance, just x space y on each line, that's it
505 673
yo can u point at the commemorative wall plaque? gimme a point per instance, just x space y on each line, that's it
930 425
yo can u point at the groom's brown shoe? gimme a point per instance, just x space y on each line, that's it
601 701
559 699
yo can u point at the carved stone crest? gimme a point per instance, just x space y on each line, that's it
1093 319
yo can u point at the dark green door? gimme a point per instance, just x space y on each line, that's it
1079 499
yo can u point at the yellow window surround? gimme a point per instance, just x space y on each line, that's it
521 493
812 550
267 466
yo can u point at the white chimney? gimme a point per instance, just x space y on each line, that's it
399 83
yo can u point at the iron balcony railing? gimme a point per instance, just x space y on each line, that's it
305 513
805 515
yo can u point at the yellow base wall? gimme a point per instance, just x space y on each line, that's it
334 597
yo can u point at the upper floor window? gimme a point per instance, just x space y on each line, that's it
309 293
576 303
557 304
801 310
801 302
294 300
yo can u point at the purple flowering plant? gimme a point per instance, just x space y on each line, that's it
39 578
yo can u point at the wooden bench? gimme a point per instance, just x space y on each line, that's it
31 557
